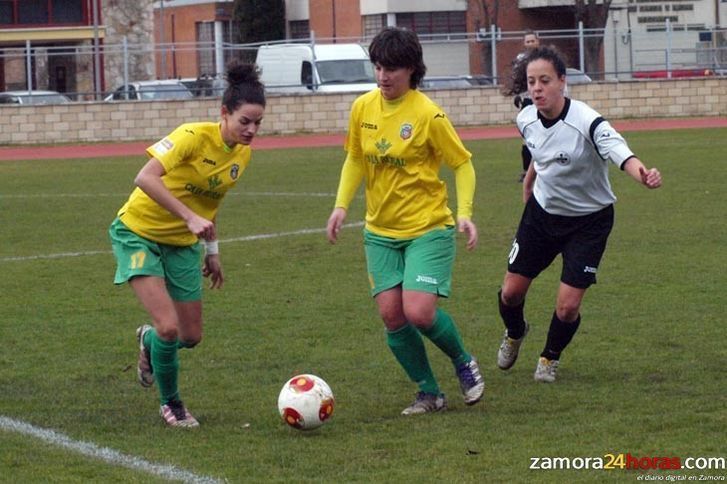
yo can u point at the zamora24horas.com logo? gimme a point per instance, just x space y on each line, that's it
627 461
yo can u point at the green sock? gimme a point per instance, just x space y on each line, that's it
443 333
147 341
408 348
165 362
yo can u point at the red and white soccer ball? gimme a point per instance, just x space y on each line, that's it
306 402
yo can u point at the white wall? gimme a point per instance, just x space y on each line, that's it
372 7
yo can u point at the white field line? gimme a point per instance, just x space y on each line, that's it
123 195
246 238
105 454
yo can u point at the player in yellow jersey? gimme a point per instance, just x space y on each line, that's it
397 141
155 235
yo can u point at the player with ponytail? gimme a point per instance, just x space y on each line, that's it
160 233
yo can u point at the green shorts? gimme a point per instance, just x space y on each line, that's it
180 267
420 264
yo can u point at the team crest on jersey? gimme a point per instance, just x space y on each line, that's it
405 131
562 158
234 171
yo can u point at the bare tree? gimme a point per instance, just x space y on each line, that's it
594 15
488 15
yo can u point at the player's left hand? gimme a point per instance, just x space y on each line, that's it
650 178
466 226
213 269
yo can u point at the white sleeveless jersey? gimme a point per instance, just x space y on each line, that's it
570 158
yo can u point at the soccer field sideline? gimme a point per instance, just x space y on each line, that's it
113 457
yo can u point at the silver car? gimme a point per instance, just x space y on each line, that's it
150 90
33 97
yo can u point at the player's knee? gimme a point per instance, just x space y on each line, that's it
421 317
567 312
393 318
511 298
166 332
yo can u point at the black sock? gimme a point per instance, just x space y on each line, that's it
559 335
513 317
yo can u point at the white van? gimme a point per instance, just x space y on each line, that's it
315 67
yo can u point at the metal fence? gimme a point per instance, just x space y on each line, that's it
89 72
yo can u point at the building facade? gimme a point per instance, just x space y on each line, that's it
50 44
40 41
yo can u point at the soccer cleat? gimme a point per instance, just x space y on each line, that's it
546 370
509 349
175 414
144 371
426 403
471 381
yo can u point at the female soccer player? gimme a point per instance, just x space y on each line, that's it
568 205
156 234
397 140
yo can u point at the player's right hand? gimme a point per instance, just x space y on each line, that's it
202 228
335 221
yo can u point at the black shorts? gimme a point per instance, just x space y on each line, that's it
542 236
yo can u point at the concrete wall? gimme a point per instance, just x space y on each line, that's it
328 113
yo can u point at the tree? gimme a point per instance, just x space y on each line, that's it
594 15
258 21
489 12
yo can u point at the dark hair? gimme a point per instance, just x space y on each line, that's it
530 32
518 81
394 48
243 86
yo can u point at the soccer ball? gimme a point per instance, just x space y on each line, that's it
305 402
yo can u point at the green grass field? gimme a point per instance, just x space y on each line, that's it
645 374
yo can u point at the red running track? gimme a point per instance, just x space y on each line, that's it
100 150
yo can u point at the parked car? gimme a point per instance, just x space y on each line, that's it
574 76
444 82
205 86
149 90
453 82
33 97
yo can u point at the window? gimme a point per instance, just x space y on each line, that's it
433 24
299 29
372 24
6 13
33 12
67 11
206 51
42 12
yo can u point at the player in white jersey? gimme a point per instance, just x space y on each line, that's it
568 206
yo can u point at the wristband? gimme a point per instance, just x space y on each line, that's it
212 247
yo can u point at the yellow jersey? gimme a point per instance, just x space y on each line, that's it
398 147
200 169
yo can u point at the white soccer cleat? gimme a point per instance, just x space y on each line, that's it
144 371
175 414
471 381
426 403
509 349
546 370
